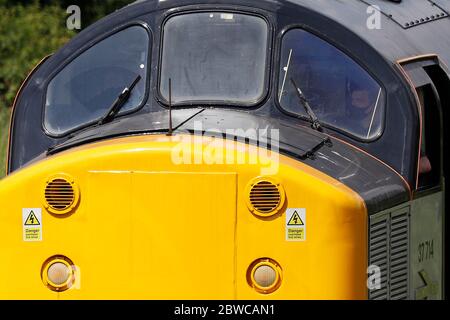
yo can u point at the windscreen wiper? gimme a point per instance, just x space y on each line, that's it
315 124
119 102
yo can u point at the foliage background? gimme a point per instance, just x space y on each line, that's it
29 31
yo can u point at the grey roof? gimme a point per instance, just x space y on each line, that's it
393 41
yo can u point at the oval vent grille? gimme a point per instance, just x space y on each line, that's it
60 194
266 197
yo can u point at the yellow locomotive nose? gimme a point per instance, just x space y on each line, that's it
166 230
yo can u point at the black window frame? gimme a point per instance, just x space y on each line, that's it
433 180
383 97
92 43
220 104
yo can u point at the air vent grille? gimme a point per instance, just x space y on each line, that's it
265 197
60 195
388 250
379 251
399 257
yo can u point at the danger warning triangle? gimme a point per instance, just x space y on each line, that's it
296 220
32 220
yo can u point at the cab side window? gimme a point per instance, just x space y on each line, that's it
83 91
430 150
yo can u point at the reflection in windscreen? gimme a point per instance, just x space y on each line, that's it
85 89
340 92
214 57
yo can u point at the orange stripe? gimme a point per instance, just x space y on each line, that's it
417 58
379 160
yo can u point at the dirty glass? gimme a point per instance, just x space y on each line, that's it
85 89
341 93
214 57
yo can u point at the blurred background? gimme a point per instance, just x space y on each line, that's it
29 31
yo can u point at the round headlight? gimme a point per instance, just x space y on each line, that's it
58 273
264 275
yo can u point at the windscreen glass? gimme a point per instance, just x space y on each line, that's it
341 93
214 57
86 88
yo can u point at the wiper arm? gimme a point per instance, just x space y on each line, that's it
119 102
315 124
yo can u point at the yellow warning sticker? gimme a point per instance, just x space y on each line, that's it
296 234
32 234
32 220
32 224
296 224
296 220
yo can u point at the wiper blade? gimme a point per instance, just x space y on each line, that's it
119 102
129 127
315 124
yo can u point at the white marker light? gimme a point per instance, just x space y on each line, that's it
264 275
59 273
